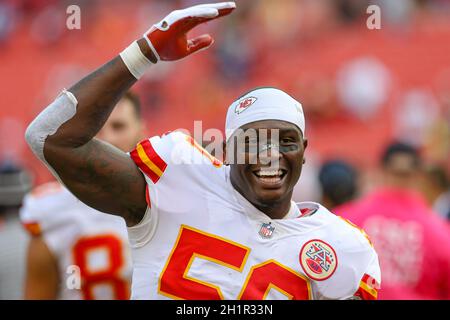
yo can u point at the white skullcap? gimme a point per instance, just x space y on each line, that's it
264 104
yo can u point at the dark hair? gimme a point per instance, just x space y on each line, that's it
135 102
338 181
396 148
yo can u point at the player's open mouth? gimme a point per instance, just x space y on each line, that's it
270 176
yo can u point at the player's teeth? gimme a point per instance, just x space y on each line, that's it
267 173
273 179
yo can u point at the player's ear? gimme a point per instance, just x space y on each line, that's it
305 145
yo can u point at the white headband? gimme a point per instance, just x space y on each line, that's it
264 104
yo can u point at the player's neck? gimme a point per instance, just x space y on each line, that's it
274 210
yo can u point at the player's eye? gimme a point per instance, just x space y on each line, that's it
287 140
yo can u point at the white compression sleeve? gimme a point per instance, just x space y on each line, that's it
62 109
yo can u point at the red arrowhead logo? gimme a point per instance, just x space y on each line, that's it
244 104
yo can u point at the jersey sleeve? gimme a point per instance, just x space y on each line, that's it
174 155
41 215
370 282
358 272
366 266
172 164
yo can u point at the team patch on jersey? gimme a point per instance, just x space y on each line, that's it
244 104
266 230
318 259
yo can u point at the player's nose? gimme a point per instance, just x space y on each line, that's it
269 155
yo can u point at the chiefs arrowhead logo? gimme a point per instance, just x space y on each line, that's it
244 104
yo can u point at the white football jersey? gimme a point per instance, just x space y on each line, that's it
91 247
201 239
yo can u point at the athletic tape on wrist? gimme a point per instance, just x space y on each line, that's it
136 62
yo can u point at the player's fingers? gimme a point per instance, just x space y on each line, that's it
200 43
219 6
207 13
194 18
179 18
196 15
226 9
203 10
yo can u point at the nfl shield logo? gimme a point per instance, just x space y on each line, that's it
266 230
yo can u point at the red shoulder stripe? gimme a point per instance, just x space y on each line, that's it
154 157
146 158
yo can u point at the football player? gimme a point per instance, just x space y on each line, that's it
70 239
200 228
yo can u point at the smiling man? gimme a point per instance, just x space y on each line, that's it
200 229
265 147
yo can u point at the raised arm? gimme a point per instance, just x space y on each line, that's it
62 136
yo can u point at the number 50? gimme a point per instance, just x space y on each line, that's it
192 243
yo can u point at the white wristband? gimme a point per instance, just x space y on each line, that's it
135 60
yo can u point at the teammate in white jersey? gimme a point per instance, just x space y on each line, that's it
199 228
77 252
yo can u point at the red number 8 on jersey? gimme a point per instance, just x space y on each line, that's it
111 275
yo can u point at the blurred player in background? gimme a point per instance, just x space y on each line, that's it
412 242
338 181
15 182
66 232
201 229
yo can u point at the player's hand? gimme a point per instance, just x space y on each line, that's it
168 38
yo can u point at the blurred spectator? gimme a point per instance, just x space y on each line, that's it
8 17
338 181
363 85
437 190
48 25
415 115
411 241
234 53
14 184
351 10
397 12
